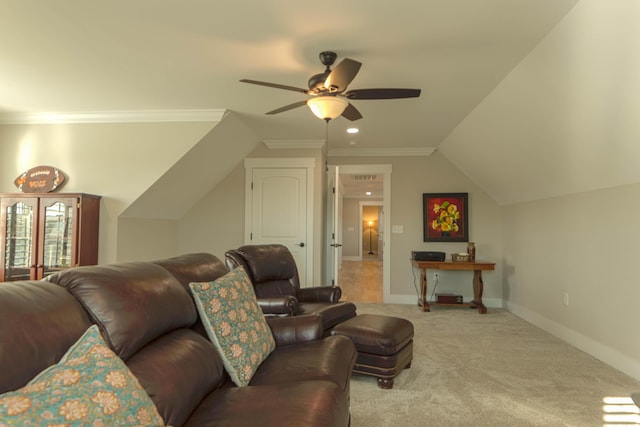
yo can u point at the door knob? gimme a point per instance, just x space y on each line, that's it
301 244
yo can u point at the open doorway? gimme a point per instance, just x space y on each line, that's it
371 246
348 229
361 273
361 277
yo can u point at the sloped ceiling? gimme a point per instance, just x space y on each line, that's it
565 120
197 172
530 98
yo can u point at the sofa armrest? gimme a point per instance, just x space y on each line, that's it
286 305
320 294
296 329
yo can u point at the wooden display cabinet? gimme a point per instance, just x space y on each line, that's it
44 233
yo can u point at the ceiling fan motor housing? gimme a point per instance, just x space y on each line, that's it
316 82
328 58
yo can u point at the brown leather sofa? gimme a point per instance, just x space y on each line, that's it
273 272
149 319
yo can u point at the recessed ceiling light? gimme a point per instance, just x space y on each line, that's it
353 130
368 193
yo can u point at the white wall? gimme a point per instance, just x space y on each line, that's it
585 245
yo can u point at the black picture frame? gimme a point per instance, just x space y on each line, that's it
445 217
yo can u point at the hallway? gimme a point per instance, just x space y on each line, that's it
361 281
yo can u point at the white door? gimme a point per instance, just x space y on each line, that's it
279 212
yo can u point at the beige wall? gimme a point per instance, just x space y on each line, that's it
216 223
117 161
582 244
146 239
410 178
585 245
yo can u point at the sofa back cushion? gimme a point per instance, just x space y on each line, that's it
146 317
177 371
133 303
39 321
271 268
195 267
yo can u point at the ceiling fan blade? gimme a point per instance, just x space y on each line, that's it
342 75
275 85
288 107
351 113
382 93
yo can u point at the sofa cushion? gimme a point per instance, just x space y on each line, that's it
301 403
39 321
89 385
177 371
133 303
328 359
234 322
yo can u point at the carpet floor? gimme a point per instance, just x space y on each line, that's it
491 370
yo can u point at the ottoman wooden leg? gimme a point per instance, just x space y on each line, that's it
386 383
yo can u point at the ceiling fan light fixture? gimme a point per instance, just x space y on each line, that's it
327 107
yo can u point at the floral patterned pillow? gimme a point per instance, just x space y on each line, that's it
235 324
90 385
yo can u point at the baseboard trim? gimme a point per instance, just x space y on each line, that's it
596 349
413 300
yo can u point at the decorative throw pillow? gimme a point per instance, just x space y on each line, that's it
90 385
235 324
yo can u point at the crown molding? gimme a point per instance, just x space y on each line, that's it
138 116
285 144
381 152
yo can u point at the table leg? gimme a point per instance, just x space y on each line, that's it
478 287
423 291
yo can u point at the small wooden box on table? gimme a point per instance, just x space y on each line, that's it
478 286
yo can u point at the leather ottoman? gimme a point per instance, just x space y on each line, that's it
384 344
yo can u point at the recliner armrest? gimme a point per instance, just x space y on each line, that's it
320 294
296 329
286 305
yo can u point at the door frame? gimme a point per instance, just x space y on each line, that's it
283 163
385 171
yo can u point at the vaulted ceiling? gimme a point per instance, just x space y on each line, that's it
530 98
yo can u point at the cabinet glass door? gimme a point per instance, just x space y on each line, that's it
57 236
18 254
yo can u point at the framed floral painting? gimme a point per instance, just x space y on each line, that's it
446 217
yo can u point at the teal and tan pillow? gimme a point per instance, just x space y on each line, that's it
90 385
234 323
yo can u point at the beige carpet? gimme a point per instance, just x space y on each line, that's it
488 370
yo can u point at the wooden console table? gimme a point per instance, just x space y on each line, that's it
478 285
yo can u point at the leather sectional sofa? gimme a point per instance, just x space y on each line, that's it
148 317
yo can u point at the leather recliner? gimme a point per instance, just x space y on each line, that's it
273 272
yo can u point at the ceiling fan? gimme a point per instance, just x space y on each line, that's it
329 90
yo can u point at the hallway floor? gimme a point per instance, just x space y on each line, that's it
361 281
